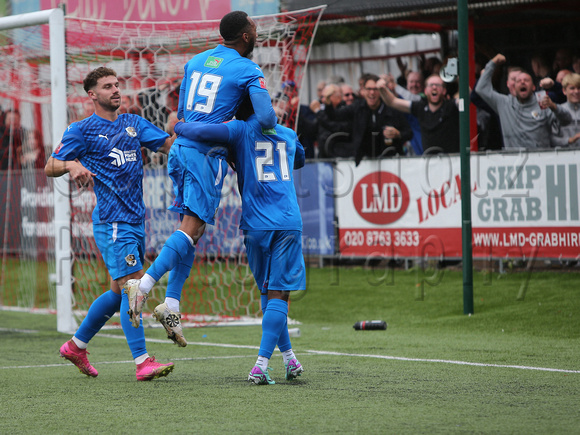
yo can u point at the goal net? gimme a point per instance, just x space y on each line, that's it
148 58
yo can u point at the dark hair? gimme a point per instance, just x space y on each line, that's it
233 24
93 77
245 110
372 77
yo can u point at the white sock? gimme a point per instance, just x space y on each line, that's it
262 362
172 304
147 283
141 359
288 355
188 237
80 344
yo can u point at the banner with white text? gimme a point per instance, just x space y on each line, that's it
523 205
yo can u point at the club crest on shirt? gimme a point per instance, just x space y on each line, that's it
131 131
131 260
535 114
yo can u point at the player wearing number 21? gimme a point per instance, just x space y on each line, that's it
271 222
214 84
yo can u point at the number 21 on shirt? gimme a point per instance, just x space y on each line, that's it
267 159
205 86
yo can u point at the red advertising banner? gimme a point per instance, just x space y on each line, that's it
523 205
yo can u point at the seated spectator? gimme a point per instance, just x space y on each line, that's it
438 116
569 135
348 95
376 130
523 122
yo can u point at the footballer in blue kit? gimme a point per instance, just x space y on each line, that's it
264 160
104 151
213 86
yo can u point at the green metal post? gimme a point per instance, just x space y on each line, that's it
464 141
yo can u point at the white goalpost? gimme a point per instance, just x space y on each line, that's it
49 259
63 279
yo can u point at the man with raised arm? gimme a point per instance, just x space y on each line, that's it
213 86
104 150
525 124
438 116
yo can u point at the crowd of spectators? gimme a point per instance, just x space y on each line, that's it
535 106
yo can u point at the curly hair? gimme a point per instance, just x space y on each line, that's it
93 77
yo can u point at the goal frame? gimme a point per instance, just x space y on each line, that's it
63 259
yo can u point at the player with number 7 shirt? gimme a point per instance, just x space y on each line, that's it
214 84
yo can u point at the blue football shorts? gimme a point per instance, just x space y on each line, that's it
122 246
197 181
276 260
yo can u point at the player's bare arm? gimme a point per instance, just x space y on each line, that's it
57 168
167 145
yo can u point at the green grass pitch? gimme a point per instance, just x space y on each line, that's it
512 367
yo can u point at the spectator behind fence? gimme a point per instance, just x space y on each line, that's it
569 135
524 124
576 63
438 116
332 134
348 95
562 59
377 130
31 154
540 67
413 92
488 123
12 136
554 88
285 105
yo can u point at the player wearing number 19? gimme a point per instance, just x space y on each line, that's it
214 84
271 223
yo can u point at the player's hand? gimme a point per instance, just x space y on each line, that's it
81 175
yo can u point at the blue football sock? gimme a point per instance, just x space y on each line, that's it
264 302
273 323
179 274
170 255
284 343
101 310
135 336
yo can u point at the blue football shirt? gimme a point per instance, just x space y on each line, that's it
112 151
214 84
264 163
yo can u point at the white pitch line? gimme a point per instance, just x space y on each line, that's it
310 352
444 361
